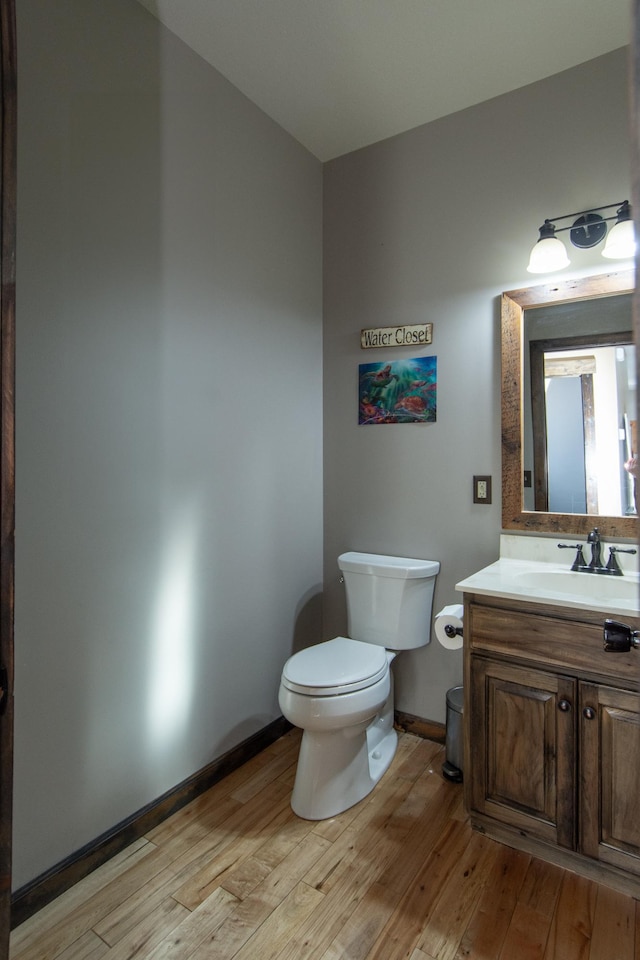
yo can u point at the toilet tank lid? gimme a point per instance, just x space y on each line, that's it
403 568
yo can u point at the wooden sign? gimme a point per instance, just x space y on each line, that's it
415 334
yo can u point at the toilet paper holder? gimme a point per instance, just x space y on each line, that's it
449 626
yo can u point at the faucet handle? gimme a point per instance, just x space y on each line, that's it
579 560
612 565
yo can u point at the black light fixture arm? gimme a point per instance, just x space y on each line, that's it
567 216
623 213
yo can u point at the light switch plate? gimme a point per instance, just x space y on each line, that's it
482 489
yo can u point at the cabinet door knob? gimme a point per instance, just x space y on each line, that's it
564 706
589 713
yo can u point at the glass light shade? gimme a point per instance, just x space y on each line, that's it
621 241
548 255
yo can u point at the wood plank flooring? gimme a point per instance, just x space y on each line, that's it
401 875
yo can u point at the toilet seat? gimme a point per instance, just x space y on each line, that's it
335 667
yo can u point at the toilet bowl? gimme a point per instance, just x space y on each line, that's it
340 692
334 692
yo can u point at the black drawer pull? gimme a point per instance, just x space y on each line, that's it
619 638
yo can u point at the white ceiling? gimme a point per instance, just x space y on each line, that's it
341 74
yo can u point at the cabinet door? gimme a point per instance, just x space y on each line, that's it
523 770
610 775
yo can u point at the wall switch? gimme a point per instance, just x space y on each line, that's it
482 489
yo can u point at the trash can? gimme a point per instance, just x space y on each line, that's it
452 767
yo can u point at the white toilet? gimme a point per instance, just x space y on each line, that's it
341 692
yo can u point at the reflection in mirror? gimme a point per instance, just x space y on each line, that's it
568 407
580 402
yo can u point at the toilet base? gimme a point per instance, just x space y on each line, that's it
339 768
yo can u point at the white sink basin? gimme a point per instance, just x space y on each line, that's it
587 585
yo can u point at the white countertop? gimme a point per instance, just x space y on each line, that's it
548 581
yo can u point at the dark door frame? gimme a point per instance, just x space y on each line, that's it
8 106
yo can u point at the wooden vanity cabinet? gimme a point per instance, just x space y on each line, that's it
552 736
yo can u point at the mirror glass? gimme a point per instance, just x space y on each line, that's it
579 407
568 407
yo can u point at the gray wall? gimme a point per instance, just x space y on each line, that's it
431 226
169 509
169 512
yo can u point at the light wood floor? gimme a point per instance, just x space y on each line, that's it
401 875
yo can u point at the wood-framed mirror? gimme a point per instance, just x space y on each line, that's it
552 317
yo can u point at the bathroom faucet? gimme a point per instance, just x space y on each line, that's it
596 549
596 566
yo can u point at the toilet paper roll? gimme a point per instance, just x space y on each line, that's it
451 617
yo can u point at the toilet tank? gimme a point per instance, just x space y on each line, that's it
389 599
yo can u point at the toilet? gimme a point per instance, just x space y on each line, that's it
340 692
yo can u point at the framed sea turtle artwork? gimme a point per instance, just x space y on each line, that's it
401 391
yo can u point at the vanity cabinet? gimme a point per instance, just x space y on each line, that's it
552 724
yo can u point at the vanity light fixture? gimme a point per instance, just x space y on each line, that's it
549 253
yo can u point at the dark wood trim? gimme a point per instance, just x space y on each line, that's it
8 133
634 125
427 729
45 888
